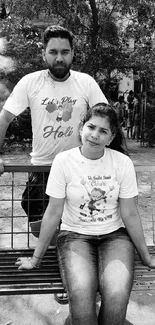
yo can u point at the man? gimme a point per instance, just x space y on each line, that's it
131 104
120 108
57 97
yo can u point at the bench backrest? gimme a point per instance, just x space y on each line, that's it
15 230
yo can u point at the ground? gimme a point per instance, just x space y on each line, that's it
43 309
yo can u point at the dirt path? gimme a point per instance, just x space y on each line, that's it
144 156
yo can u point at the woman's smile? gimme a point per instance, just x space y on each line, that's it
92 143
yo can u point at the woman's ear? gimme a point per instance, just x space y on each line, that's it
80 130
111 139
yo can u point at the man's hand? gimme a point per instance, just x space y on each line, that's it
1 166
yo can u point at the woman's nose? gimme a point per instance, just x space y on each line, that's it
95 135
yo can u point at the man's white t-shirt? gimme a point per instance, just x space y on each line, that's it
56 110
91 189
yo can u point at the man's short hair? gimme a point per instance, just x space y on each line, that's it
55 31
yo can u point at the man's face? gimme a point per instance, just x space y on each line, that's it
58 56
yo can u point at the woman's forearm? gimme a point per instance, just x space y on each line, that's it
49 225
134 227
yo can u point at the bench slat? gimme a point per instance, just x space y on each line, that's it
47 279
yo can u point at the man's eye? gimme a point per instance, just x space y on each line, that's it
53 52
65 52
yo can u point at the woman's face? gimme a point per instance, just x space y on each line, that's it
95 135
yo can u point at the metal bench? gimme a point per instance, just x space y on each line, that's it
16 240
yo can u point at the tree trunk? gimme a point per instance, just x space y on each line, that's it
94 34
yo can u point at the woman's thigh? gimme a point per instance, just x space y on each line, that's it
116 264
78 263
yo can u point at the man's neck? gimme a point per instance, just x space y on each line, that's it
59 79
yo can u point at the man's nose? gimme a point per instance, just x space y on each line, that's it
59 57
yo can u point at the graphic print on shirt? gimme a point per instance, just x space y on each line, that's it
95 205
58 112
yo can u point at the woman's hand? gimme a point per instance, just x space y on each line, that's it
25 263
152 262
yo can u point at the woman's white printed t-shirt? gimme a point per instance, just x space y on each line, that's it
92 189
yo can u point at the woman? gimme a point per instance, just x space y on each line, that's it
92 188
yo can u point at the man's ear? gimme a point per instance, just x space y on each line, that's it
43 54
72 54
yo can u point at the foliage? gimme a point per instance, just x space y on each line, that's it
20 129
22 42
102 28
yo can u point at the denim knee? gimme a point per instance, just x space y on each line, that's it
117 277
116 264
78 263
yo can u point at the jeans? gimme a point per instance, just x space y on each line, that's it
91 264
34 199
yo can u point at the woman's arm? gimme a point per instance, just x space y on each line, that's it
132 222
50 222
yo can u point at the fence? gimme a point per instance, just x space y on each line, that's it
15 230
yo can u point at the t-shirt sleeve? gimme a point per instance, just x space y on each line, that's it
56 185
95 94
128 185
18 100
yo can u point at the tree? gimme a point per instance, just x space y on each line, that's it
102 29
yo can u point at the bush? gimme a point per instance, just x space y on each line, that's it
20 128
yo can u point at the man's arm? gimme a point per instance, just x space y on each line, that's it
94 93
5 119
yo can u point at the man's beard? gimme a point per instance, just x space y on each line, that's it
59 71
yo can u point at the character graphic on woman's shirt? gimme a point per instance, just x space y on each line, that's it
97 196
